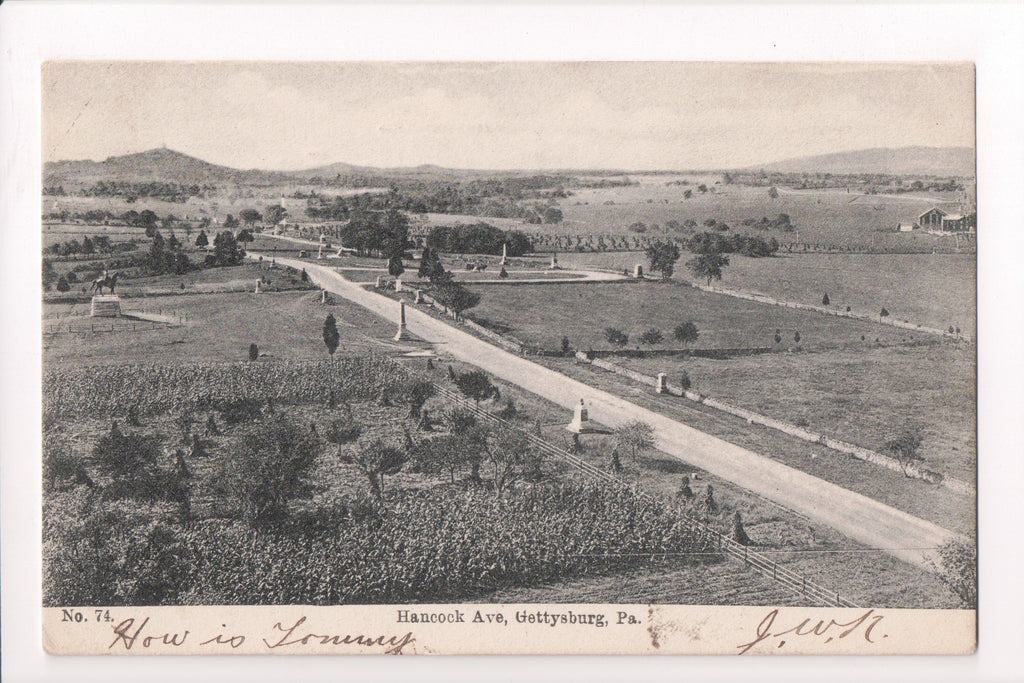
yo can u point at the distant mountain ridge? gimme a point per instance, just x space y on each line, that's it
938 161
154 165
169 166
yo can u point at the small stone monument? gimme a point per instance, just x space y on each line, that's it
580 420
554 261
504 253
105 306
638 271
662 387
320 250
419 297
379 283
323 296
257 290
398 285
402 334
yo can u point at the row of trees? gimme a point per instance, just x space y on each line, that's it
478 238
686 333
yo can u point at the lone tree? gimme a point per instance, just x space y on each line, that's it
377 459
418 393
634 438
651 336
512 457
662 257
616 337
454 296
773 192
825 300
883 313
708 265
331 336
904 447
686 333
254 352
476 385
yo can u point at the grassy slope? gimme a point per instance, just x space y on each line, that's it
828 216
543 313
220 327
858 396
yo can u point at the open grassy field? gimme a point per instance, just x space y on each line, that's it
543 313
935 290
221 327
861 396
821 216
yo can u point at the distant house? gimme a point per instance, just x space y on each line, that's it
939 220
931 219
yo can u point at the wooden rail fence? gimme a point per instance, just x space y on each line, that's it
723 543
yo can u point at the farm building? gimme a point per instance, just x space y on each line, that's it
937 219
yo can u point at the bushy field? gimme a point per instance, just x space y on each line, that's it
112 389
544 313
821 216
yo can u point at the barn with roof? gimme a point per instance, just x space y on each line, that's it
943 221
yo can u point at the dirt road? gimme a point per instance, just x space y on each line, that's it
861 518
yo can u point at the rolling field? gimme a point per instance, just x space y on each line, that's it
820 216
220 327
936 290
543 313
862 396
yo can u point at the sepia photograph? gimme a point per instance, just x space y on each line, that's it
508 333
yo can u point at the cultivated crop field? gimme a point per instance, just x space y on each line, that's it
542 314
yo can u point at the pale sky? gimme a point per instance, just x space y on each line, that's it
628 115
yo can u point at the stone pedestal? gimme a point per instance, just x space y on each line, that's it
580 420
662 387
419 297
105 306
504 254
638 271
403 333
554 261
398 285
257 290
379 283
320 251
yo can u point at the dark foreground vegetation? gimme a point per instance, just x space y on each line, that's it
206 489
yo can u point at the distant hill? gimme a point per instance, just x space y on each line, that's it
938 161
155 165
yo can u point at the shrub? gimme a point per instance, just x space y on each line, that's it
616 336
254 352
686 333
957 567
267 469
651 336
476 385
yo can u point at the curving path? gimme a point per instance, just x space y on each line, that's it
865 520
